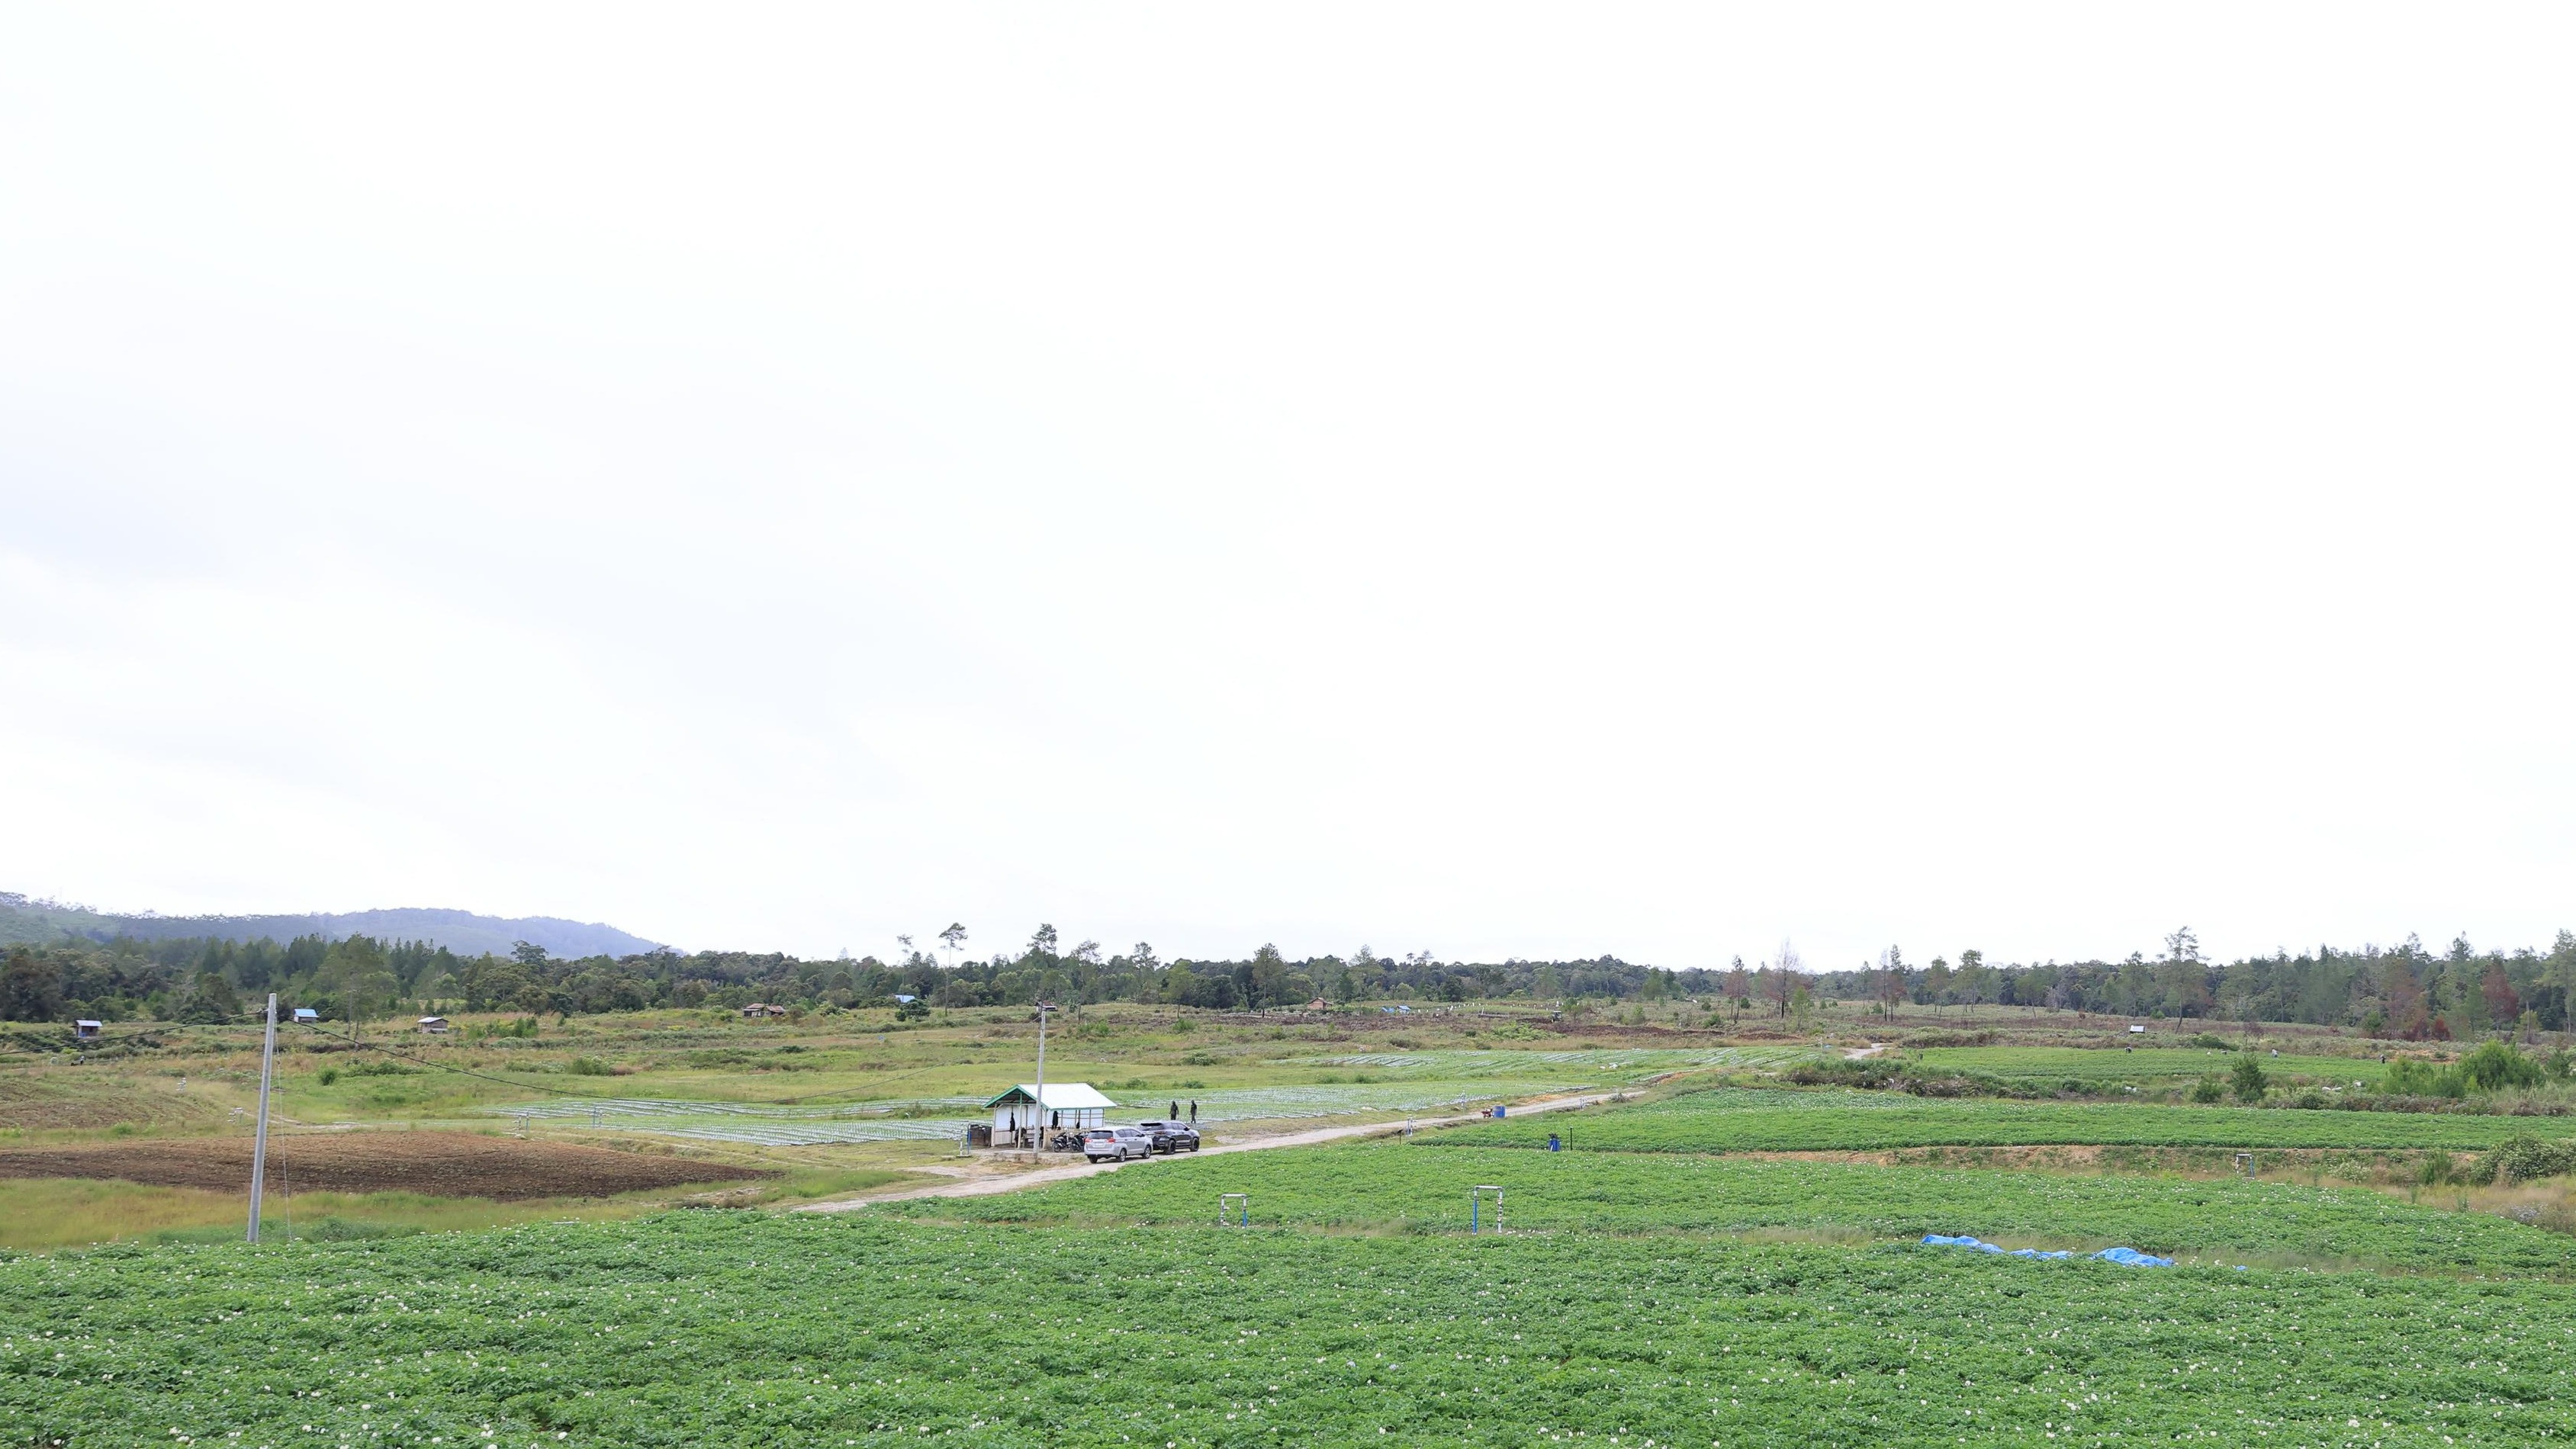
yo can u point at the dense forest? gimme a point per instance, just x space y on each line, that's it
2404 991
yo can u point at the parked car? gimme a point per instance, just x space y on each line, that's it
1117 1143
1172 1136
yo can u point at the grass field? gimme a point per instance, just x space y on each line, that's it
1393 1187
1767 1120
741 1329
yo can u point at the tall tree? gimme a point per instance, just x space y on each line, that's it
2503 1004
355 974
31 988
2402 999
1784 979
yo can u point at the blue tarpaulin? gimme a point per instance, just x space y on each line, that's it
2133 1258
2129 1257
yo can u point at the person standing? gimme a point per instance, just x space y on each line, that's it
1175 1114
1194 1112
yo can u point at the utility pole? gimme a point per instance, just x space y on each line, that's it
1043 1009
259 1141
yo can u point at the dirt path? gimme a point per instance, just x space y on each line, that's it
987 1185
1857 1054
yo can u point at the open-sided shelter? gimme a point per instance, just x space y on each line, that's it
1069 1106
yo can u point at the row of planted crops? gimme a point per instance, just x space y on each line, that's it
1653 1286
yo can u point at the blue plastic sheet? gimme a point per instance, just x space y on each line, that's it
2127 1257
1986 1247
2133 1258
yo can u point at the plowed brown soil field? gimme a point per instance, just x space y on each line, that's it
442 1164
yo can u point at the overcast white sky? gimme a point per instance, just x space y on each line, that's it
1484 479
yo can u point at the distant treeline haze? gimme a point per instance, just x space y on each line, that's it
2404 991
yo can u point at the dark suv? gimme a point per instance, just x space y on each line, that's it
1172 1136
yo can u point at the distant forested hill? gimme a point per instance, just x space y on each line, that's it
463 932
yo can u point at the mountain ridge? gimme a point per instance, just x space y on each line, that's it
468 933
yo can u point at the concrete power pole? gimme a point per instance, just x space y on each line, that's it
1043 1009
259 1142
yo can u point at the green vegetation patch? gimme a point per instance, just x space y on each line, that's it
734 1329
1390 1187
2143 1064
1768 1120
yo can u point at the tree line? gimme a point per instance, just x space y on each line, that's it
2406 991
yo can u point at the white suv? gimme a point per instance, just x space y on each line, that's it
1117 1143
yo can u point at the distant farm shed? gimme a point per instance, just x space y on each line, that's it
434 1025
87 1030
305 1015
1068 1105
762 1008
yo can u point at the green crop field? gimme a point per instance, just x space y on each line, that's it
1392 1186
2141 1064
1766 1120
1641 1299
729 1329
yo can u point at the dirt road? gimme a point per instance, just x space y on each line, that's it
984 1185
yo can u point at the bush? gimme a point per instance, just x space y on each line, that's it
590 1067
2210 1040
1951 1039
1871 1073
328 1075
2208 1090
2488 1067
2492 1066
2247 1078
2520 1159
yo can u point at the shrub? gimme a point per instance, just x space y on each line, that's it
2210 1040
2488 1067
1872 1073
2247 1078
328 1075
1951 1039
2522 1158
590 1067
2491 1066
2208 1090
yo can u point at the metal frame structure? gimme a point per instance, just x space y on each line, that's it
1475 1201
1224 1204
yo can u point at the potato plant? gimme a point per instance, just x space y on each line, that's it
737 1329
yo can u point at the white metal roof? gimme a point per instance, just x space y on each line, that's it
1064 1095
